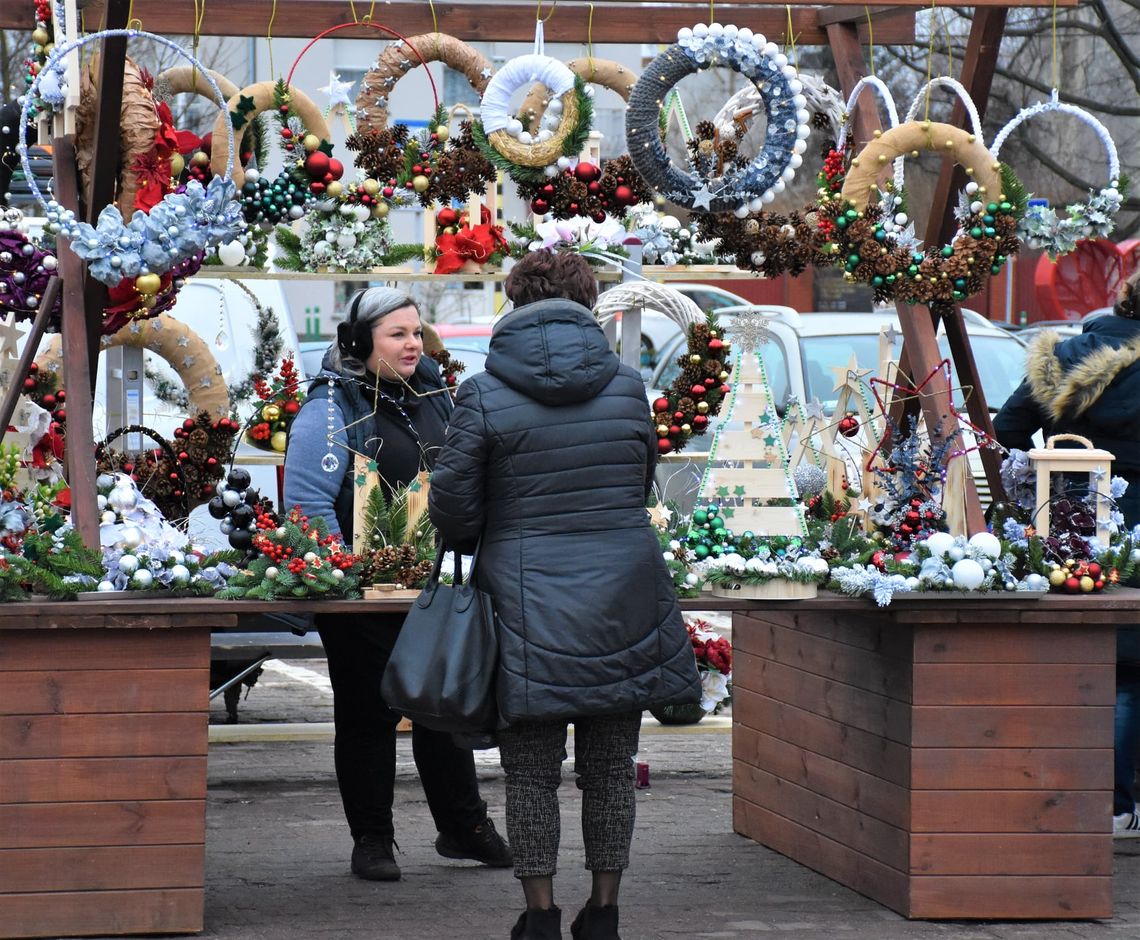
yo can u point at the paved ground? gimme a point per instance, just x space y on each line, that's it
278 849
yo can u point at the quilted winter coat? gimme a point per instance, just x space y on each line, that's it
549 456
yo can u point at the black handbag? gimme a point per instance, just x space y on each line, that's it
442 670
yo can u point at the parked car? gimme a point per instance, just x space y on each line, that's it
468 343
709 297
801 353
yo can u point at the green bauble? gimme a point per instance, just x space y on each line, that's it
714 510
701 551
700 517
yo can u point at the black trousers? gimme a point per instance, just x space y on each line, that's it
358 647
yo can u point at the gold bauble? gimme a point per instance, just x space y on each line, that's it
1087 584
278 441
177 164
442 133
752 226
148 284
687 429
271 413
694 359
310 142
40 36
334 189
370 186
662 430
703 407
380 210
723 376
201 158
1057 577
420 183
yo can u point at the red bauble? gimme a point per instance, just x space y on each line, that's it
1094 570
678 416
878 560
447 216
674 430
661 404
540 207
594 188
29 384
317 164
725 389
624 195
587 172
1072 585
34 368
700 421
183 455
317 187
698 391
599 216
548 189
716 344
664 445
291 407
849 425
389 192
286 133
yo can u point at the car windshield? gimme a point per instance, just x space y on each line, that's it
1000 359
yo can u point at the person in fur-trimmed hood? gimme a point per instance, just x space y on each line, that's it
1090 385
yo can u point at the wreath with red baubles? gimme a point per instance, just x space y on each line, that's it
589 191
696 395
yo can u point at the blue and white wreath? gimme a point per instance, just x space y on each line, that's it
1041 226
785 106
178 228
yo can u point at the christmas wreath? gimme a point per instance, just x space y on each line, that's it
531 156
175 232
695 397
310 169
747 186
1040 226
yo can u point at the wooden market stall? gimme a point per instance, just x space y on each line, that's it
950 758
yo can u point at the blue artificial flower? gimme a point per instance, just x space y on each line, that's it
223 210
112 249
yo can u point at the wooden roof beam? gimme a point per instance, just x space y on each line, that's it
618 21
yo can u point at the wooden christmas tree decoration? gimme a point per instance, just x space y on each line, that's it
748 463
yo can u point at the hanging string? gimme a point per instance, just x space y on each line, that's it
712 12
949 44
434 21
367 18
1056 72
269 36
930 60
870 41
790 39
352 10
550 13
590 42
199 18
132 22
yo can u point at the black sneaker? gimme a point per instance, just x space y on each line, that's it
374 860
482 844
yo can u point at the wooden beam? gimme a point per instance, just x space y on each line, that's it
621 21
847 51
31 347
76 363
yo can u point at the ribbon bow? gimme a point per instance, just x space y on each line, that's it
471 243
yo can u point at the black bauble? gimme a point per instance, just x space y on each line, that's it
238 479
241 539
216 508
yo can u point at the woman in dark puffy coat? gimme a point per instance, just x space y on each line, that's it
548 460
1090 385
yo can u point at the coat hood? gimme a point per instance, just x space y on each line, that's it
552 351
1071 378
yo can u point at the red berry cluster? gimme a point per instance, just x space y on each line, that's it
833 172
297 565
274 551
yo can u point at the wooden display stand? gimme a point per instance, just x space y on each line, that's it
950 759
103 728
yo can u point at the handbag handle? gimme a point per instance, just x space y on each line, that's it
457 576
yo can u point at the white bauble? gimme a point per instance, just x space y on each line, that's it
337 574
968 574
514 127
691 579
295 212
177 557
179 574
279 532
310 557
231 253
101 502
322 249
108 517
956 553
231 498
128 564
131 537
668 556
526 137
939 543
270 573
122 498
142 578
987 543
105 586
913 583
104 481
346 241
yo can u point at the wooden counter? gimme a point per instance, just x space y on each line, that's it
949 758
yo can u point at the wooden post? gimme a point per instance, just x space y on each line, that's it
849 63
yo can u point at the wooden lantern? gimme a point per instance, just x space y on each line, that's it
1096 463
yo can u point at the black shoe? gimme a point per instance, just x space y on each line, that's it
374 860
538 925
483 844
596 923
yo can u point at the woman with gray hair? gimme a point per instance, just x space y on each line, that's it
374 396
